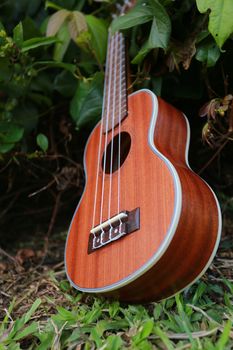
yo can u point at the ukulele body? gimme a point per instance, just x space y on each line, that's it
180 219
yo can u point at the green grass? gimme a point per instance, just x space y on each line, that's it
40 310
199 318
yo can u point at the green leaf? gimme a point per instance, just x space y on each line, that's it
86 105
98 29
216 288
30 29
30 330
5 320
220 18
66 315
64 40
66 66
52 5
157 311
96 338
183 320
18 34
144 331
228 284
163 336
35 305
114 308
157 83
145 49
107 325
144 12
65 83
225 336
92 315
137 15
159 36
46 340
56 21
37 42
208 53
20 322
147 329
10 132
114 342
84 42
4 148
160 30
199 292
42 142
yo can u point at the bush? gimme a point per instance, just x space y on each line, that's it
56 52
52 58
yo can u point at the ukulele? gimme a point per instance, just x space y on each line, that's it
146 226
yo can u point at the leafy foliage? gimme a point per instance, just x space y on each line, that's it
32 73
87 101
45 49
208 53
160 28
220 19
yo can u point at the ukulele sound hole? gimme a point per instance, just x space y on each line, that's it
113 161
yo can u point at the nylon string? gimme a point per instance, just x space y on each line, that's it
119 124
101 131
112 120
114 46
106 129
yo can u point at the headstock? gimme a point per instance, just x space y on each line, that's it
124 6
127 5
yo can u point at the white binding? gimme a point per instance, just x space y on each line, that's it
219 214
176 214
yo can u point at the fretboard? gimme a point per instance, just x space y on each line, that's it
115 93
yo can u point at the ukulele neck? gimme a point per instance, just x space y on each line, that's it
115 90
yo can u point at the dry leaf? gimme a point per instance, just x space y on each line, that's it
77 24
55 22
3 267
24 254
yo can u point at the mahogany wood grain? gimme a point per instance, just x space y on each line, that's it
146 182
197 231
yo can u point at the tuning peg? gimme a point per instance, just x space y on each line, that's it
129 3
119 7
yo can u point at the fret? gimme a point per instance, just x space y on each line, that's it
115 97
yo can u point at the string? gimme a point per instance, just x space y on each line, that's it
116 47
106 129
101 129
112 129
119 126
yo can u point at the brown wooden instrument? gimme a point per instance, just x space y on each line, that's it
146 226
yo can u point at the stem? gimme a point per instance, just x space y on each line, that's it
213 157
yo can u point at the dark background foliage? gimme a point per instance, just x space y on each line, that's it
51 80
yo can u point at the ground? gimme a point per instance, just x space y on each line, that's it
39 309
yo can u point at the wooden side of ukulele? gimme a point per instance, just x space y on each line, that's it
180 220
